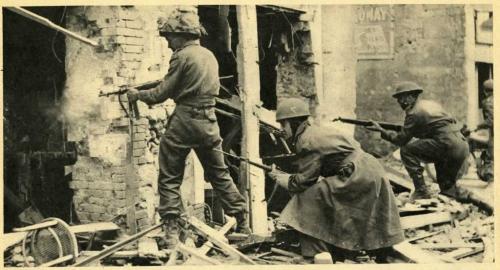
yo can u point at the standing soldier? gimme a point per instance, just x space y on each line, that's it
341 201
439 141
192 82
486 171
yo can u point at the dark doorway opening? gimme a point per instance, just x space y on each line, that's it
34 78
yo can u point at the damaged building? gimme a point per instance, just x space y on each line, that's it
74 150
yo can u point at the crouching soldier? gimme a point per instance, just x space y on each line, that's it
341 201
437 140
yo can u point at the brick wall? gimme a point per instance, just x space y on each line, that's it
133 53
429 49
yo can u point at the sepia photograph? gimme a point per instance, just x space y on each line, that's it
247 134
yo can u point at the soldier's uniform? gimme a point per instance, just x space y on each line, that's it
341 199
486 170
192 82
438 140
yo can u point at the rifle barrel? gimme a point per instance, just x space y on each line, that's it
256 164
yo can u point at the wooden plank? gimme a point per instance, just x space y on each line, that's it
125 254
285 253
37 18
416 254
42 225
449 245
417 221
215 238
453 255
195 253
147 247
112 249
489 252
425 235
94 227
205 248
10 239
251 178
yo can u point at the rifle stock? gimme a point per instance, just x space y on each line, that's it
366 123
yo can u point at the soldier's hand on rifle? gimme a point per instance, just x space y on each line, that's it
132 94
279 176
375 126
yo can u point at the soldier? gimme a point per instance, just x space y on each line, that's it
192 82
439 141
486 170
341 201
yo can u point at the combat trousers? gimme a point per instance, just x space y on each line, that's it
197 129
448 151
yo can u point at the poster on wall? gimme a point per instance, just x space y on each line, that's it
374 32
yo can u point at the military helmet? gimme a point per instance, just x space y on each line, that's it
291 108
407 87
488 85
181 21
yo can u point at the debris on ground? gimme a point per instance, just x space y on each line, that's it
438 230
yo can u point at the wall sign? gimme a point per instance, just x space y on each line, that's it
374 31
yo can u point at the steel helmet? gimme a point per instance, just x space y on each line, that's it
291 108
488 85
181 21
407 87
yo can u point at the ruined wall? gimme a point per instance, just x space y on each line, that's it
133 53
338 64
428 49
295 70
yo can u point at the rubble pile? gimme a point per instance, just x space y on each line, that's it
438 230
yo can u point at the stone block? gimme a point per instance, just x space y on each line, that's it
141 214
120 194
127 32
131 57
84 207
119 186
134 24
130 40
143 222
132 48
96 200
118 178
140 144
120 203
127 14
140 137
95 216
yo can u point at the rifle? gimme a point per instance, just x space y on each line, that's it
259 165
256 164
123 89
366 123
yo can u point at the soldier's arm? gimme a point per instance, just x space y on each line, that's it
403 137
166 89
309 171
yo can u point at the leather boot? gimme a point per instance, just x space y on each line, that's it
172 231
242 225
421 190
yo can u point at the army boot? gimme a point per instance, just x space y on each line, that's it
421 190
172 231
242 225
